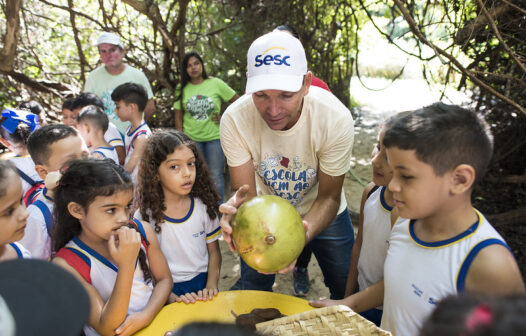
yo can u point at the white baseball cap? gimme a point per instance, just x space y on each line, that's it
276 61
110 38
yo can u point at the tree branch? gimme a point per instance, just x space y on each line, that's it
499 37
8 52
82 57
414 28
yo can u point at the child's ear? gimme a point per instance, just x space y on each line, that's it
76 210
41 171
463 177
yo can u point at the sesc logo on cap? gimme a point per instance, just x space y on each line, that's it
272 59
275 61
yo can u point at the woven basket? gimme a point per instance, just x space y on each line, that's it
333 320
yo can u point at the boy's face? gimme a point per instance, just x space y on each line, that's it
69 117
382 172
123 110
61 151
417 191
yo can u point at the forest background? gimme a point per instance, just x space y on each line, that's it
475 45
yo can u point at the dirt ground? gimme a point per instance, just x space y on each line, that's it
365 135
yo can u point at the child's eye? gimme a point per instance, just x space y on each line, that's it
191 164
110 210
407 177
174 167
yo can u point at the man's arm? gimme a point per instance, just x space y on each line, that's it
149 110
325 206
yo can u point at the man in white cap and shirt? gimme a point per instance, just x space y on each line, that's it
113 73
287 138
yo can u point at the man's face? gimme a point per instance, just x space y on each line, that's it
111 55
280 109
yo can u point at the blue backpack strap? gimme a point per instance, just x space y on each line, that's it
139 226
27 178
47 215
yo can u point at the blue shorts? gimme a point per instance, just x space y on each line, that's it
194 285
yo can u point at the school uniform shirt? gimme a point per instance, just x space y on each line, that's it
26 165
129 139
184 241
102 274
418 274
36 238
286 163
107 152
375 237
113 136
21 251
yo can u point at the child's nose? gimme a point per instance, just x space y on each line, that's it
393 185
23 213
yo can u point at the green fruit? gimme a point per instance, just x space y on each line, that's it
268 233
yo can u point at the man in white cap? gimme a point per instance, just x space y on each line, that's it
287 138
113 73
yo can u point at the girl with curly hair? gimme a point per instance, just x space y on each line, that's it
118 261
178 197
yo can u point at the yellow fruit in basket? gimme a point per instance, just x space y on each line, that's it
268 233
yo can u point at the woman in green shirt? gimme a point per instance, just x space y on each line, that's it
199 114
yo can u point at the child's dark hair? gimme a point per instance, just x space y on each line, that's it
82 182
476 315
131 93
6 167
85 99
151 196
40 140
444 136
21 133
68 104
95 116
32 106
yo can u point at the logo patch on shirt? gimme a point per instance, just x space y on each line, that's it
200 107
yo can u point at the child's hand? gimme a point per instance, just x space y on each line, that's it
325 303
124 246
187 298
207 294
131 324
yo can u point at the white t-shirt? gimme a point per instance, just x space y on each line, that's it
418 274
129 139
375 239
184 241
113 136
107 152
287 163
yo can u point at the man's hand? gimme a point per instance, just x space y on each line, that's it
228 210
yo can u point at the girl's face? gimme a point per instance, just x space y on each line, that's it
177 173
105 215
13 213
194 68
382 173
